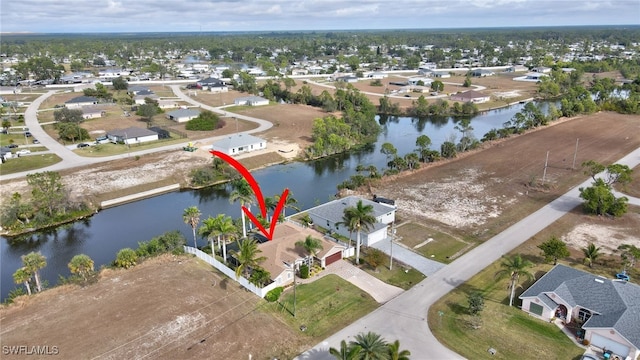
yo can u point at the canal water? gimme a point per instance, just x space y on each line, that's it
310 183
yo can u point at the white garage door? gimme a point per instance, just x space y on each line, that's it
616 347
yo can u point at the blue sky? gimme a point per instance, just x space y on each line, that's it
81 16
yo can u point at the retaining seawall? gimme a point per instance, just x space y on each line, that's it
141 195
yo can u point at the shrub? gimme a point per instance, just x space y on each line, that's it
585 342
304 271
274 295
126 258
207 121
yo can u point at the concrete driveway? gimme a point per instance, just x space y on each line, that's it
379 290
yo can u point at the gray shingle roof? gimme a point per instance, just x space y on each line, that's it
132 132
615 303
333 210
181 113
82 99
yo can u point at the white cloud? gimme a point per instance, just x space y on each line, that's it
247 15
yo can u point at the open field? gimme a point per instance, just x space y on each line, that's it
178 308
483 192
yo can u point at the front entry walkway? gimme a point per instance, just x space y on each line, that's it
378 289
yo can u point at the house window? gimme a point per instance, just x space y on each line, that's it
251 147
584 315
535 309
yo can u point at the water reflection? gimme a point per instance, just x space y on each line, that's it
311 183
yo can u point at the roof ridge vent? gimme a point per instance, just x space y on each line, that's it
599 281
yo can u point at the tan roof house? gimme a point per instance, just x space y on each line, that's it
282 252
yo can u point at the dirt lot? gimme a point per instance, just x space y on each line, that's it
187 311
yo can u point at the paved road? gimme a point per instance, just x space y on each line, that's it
404 317
71 159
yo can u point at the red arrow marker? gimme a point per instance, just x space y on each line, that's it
256 190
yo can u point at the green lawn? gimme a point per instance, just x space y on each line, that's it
442 248
513 333
116 149
323 306
396 277
26 163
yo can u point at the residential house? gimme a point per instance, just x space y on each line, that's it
329 216
471 96
80 101
440 74
251 101
517 68
135 89
213 84
481 73
239 143
347 79
141 97
609 310
532 76
282 255
167 104
419 80
183 115
110 74
377 75
90 112
541 69
132 135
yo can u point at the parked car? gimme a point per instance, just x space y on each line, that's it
12 146
27 134
36 141
82 145
23 152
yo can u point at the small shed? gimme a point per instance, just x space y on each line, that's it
183 115
239 143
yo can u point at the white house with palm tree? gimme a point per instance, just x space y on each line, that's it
329 216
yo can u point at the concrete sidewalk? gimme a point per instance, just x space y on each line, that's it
379 290
403 254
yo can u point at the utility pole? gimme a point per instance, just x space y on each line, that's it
575 154
544 173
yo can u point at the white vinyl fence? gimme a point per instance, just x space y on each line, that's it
230 272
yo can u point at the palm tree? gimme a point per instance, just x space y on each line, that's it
373 347
396 354
311 246
81 264
227 230
270 203
191 217
23 276
33 262
361 216
209 230
349 223
346 352
242 192
514 268
247 256
290 203
591 253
